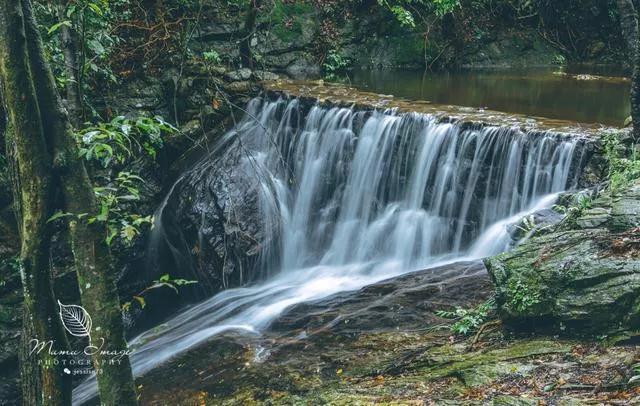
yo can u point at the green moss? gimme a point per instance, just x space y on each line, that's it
507 400
448 361
488 373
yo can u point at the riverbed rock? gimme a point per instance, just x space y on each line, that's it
239 75
581 278
384 345
266 75
409 301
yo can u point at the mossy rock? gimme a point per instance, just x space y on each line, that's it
581 278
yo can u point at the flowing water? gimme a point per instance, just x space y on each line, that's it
364 196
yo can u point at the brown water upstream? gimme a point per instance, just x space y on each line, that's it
575 94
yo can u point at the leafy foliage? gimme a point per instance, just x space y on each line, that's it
120 139
9 267
443 7
91 22
165 281
400 8
528 224
113 210
523 297
468 321
578 205
334 63
635 378
623 164
112 200
212 57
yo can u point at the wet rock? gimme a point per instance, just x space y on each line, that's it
266 75
238 75
140 95
581 278
509 49
210 227
238 87
593 218
596 48
625 210
407 302
304 66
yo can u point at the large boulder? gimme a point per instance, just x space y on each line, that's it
210 227
581 277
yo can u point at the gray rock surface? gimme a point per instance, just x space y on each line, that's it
583 277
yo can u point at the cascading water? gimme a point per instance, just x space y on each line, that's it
358 197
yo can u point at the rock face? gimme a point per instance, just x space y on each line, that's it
295 37
581 277
210 227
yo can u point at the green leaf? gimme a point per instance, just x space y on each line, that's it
163 284
56 26
112 234
141 301
128 232
96 9
57 215
96 47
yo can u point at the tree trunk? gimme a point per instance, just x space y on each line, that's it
96 277
3 120
629 25
30 376
35 181
249 29
70 53
631 33
635 97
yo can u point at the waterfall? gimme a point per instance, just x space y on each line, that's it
360 196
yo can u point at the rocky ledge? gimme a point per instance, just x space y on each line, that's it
385 344
336 94
579 277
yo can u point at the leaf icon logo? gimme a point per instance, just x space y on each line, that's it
76 320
